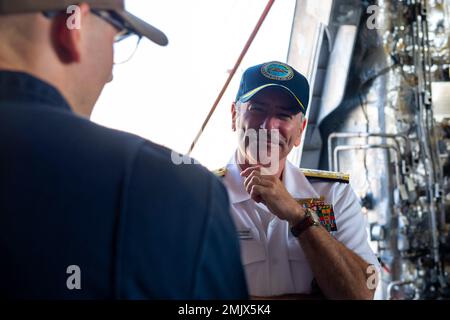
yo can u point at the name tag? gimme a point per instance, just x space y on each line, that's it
245 234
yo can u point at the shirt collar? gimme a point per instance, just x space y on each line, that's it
293 179
235 182
296 183
23 87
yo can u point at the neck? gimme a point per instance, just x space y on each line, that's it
26 48
244 163
38 68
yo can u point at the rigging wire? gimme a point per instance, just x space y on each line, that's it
232 73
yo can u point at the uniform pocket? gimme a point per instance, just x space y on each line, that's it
295 251
300 270
252 251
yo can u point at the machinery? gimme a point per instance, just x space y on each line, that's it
380 110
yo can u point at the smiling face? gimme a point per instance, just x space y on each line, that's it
272 109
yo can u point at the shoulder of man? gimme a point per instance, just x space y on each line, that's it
313 176
221 172
310 174
325 176
186 208
177 169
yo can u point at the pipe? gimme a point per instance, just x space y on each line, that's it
334 135
232 73
397 283
366 147
420 59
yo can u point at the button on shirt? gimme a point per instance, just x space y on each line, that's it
273 259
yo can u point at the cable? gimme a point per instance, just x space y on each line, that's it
232 73
366 116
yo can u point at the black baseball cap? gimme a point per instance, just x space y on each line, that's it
274 74
135 24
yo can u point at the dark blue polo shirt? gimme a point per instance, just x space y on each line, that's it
73 193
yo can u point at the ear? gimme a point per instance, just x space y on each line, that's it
233 116
67 36
305 122
302 127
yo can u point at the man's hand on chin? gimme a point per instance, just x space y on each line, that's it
269 190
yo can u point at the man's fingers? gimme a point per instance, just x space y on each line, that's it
256 180
249 170
258 185
253 174
256 193
250 182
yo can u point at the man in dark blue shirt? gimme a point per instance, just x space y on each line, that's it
88 212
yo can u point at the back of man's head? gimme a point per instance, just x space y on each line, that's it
70 47
68 59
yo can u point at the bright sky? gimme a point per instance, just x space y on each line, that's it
164 93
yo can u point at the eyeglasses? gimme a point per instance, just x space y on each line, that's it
126 41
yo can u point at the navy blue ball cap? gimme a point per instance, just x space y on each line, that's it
132 23
274 74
